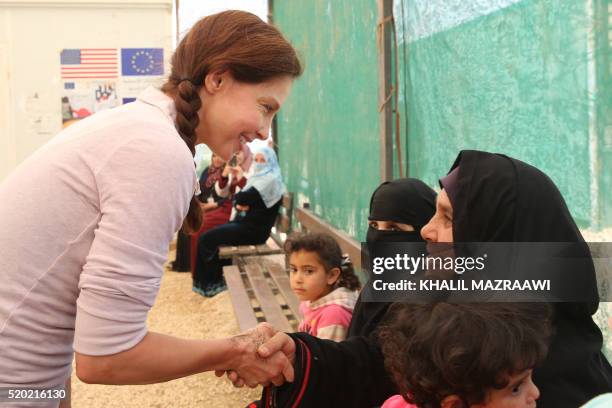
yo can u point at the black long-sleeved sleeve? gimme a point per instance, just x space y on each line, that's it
350 373
258 215
250 197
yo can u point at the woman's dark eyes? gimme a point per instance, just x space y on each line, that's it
389 228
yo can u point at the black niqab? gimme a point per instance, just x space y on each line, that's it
407 201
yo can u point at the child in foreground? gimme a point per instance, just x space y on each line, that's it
465 355
325 283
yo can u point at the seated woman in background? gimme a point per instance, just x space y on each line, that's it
398 210
218 184
257 206
234 178
325 282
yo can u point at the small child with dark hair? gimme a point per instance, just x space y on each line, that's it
325 282
444 355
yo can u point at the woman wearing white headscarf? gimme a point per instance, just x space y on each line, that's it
257 205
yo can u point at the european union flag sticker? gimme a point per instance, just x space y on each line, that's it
142 61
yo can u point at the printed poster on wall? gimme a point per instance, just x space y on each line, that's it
89 79
94 79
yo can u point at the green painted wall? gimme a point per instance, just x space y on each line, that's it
328 132
529 78
510 77
603 100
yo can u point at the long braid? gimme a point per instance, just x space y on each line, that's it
188 102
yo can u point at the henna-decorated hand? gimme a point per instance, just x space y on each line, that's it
264 356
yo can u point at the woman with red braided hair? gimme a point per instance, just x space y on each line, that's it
117 186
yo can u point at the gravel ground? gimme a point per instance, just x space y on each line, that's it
600 236
178 312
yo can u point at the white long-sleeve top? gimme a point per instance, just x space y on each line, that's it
85 224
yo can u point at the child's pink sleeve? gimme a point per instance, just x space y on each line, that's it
333 323
397 401
304 325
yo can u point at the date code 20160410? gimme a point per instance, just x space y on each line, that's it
31 394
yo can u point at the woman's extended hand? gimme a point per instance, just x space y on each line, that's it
265 356
240 207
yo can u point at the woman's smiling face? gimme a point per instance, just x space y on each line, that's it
234 112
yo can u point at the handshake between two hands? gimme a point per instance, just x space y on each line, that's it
263 356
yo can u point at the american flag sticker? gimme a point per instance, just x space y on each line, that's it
93 63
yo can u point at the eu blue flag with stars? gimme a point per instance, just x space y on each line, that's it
142 61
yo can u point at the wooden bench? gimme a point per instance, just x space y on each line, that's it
274 244
257 280
260 291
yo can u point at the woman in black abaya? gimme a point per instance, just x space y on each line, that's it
494 198
486 198
398 211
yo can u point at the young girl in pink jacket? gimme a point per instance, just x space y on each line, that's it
325 282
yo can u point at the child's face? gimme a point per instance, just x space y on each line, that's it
521 392
308 277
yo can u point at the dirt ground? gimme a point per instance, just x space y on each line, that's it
178 312
604 235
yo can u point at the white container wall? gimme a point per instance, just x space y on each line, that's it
63 60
